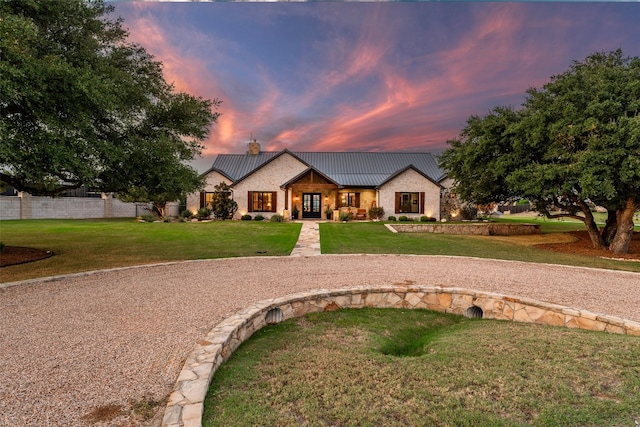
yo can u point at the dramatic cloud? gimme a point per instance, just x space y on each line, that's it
353 76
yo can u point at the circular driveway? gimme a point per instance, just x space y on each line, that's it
71 346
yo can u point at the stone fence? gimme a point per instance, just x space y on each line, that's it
186 403
26 206
478 229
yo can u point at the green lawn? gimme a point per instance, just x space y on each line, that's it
375 238
391 367
81 245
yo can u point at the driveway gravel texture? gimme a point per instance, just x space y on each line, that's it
73 345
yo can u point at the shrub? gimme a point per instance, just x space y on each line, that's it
392 218
186 214
203 213
425 218
1 246
148 218
376 212
469 212
403 218
345 216
276 218
246 217
259 218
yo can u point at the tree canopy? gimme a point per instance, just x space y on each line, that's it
574 143
80 105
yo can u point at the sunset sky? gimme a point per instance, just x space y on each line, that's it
367 76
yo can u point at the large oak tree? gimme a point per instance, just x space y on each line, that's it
574 143
81 105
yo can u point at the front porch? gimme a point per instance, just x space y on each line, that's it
313 196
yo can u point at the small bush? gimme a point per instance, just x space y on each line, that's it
246 217
392 218
404 218
425 218
259 218
203 213
186 214
276 218
376 212
1 246
469 212
345 216
148 218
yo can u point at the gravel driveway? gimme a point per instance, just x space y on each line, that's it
70 346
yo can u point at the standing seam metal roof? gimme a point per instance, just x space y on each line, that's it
356 169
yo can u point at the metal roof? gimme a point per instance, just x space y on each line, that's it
357 169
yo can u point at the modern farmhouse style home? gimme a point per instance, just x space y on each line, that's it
316 183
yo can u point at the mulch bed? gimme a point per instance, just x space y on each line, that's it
583 247
13 255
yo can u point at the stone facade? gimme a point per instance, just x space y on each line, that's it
269 178
213 179
185 405
411 181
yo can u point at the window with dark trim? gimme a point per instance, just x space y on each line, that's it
262 201
350 200
206 199
410 202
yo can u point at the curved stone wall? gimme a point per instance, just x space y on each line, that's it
185 405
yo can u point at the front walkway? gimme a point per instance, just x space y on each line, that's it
309 239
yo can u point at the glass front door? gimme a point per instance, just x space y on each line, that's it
311 207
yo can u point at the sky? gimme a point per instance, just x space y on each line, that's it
400 76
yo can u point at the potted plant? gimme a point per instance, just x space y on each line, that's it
295 212
328 213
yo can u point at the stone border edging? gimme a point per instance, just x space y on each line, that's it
186 403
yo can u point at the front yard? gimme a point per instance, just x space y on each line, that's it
84 245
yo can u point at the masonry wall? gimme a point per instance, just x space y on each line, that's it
27 206
411 181
269 178
213 179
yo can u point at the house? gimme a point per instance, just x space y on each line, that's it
272 182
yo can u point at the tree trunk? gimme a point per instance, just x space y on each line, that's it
622 239
609 230
592 228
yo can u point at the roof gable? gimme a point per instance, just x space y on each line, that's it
403 170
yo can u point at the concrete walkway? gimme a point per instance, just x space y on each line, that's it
309 240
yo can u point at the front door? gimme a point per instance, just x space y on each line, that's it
311 205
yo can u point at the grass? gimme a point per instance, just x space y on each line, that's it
82 245
375 238
334 368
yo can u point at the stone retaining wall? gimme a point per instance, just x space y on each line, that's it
478 229
185 405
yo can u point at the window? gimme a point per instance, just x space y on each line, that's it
262 201
410 203
351 200
206 200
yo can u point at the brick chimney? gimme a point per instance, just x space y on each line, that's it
254 148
